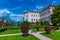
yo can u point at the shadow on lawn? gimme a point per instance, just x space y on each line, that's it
23 35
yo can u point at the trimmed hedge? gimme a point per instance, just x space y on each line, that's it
1 30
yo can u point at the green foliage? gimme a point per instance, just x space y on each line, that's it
41 23
55 28
25 23
18 24
56 15
45 23
37 23
2 30
9 23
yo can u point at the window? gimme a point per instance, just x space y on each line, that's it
34 15
39 19
48 11
38 15
32 20
36 19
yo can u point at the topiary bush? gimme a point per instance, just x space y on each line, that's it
47 29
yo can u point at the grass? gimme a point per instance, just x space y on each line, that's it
12 31
33 27
30 37
53 35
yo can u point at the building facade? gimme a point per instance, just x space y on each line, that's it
2 21
45 14
32 16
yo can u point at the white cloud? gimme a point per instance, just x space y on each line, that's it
25 10
17 15
16 8
35 10
4 11
39 7
12 16
16 18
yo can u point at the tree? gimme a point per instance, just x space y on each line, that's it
25 28
56 15
9 23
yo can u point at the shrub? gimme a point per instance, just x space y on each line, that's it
37 23
41 23
47 29
55 28
2 30
37 26
45 23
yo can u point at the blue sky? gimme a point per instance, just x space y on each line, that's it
16 8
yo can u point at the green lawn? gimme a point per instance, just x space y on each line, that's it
40 30
11 31
30 37
53 35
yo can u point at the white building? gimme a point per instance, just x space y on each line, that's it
45 14
2 20
31 16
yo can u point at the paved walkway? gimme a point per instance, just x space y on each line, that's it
38 35
10 34
57 30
